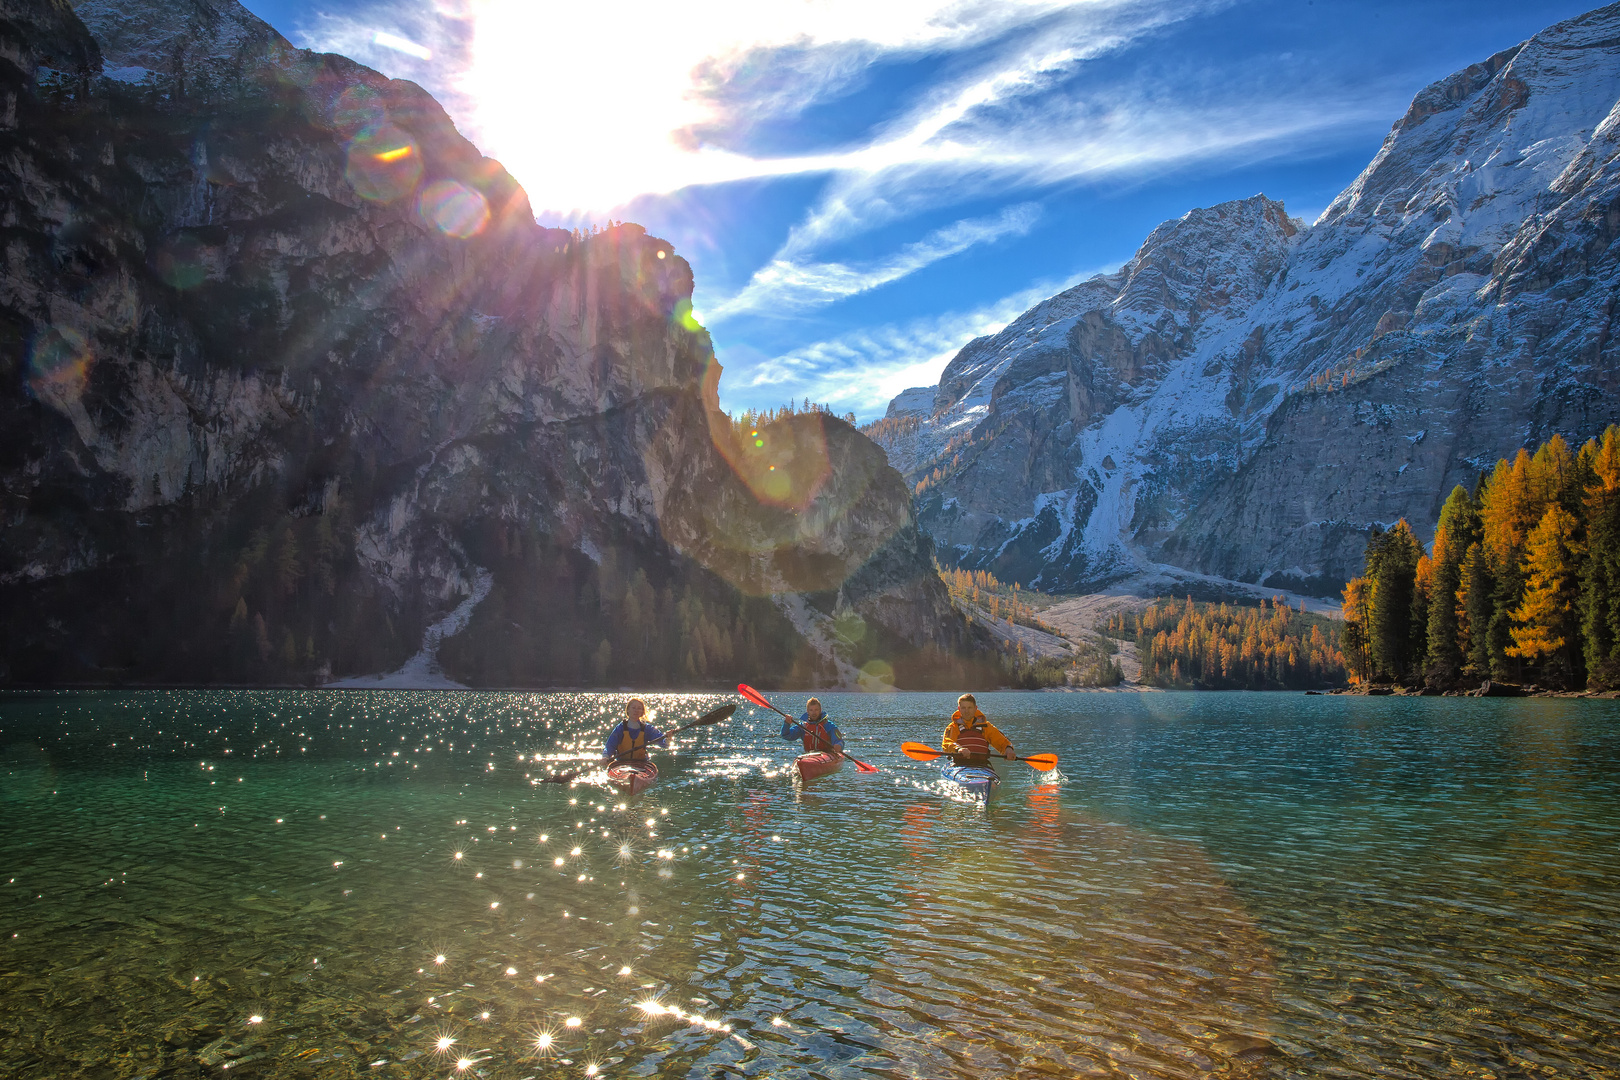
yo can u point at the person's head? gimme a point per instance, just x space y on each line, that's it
812 708
967 706
635 710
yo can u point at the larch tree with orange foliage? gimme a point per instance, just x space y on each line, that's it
1545 625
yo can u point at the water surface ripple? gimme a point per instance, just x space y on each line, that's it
370 883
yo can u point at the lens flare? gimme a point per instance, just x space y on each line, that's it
384 163
453 208
59 363
181 261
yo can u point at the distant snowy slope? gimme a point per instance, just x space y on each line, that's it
1248 397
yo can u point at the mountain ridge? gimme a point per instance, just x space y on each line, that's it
1249 398
292 374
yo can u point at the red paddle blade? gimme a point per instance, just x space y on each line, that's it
754 695
1042 762
918 752
861 766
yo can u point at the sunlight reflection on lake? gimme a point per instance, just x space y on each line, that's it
328 883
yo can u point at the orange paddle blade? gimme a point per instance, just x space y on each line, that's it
754 695
1042 762
918 752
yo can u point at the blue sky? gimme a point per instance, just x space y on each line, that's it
862 186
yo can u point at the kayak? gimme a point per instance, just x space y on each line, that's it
632 776
974 781
817 764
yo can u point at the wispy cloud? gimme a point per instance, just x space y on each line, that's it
662 102
588 123
784 285
862 370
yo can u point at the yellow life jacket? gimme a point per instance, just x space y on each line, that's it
632 744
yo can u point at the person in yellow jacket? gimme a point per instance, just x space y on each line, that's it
630 739
969 737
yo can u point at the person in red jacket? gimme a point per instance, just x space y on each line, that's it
818 732
969 737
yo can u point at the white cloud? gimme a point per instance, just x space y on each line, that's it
783 285
588 120
403 45
862 370
639 97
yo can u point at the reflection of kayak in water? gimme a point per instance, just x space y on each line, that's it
817 764
632 776
973 781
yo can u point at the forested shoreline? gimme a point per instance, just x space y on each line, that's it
1204 646
1521 584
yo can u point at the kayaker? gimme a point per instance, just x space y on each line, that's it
818 732
969 737
630 739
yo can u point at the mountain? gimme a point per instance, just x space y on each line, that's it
291 376
1248 397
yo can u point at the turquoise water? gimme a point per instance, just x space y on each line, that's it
204 883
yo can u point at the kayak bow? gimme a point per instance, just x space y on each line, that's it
632 777
819 763
976 782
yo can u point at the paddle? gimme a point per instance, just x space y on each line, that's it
918 752
713 716
759 699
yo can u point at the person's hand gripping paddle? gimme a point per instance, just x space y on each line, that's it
759 699
916 751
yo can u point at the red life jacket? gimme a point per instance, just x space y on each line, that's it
971 740
816 735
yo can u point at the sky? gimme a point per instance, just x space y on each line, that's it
863 186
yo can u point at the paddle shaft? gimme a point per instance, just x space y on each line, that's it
953 754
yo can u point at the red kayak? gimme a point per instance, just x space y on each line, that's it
817 764
631 777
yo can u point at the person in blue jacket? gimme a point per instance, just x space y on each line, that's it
818 732
630 739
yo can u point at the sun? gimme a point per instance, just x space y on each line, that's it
593 124
590 105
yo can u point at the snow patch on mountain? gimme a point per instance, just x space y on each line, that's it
1240 398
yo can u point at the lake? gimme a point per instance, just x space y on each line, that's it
369 883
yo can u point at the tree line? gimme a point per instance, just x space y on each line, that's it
1189 645
1522 583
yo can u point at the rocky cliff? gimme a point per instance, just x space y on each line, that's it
1249 396
290 372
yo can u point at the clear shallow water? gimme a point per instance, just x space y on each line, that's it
1218 884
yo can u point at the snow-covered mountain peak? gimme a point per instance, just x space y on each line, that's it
199 39
1248 397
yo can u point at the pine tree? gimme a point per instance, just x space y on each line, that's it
1458 529
1417 622
1392 559
1476 607
1544 625
1600 590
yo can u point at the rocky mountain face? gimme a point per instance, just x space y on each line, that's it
288 371
1248 397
